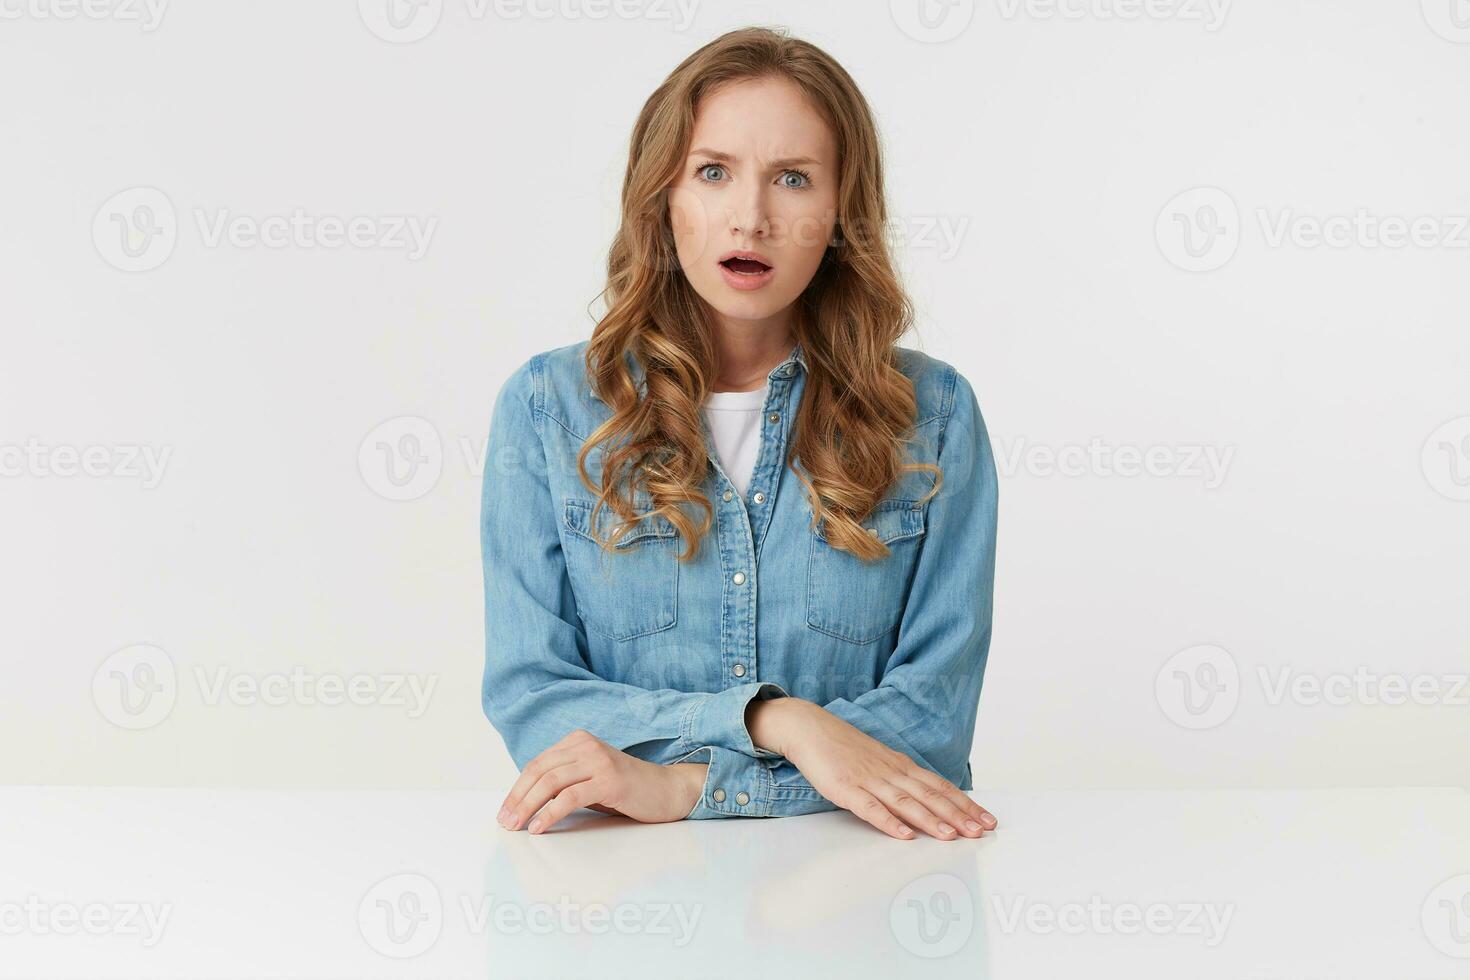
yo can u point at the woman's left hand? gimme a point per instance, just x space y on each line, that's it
582 770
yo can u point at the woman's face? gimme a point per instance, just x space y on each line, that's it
760 178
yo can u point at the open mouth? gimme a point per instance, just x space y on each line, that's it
745 267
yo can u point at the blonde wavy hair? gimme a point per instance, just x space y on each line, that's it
850 431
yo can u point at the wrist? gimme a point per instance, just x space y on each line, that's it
773 723
691 776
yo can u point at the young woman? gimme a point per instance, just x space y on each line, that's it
739 546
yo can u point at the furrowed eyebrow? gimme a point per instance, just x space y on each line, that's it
724 157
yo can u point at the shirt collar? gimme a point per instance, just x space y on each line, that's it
785 369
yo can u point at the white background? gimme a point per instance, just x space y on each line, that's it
1035 158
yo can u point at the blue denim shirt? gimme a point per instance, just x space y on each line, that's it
660 658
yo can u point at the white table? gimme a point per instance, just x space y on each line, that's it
203 883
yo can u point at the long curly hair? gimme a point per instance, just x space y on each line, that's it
857 407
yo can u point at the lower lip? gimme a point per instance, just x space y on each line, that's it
739 280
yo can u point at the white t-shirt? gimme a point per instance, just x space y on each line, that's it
735 422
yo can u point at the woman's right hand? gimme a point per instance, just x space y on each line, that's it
859 773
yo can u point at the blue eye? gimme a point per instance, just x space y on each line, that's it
805 178
700 170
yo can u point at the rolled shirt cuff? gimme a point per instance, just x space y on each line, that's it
719 719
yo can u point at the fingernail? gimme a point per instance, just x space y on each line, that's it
503 811
535 827
905 831
989 820
973 826
946 828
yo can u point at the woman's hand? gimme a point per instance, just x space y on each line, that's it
582 770
859 773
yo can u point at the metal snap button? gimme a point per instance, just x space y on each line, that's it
727 494
759 498
774 417
718 796
738 670
742 798
738 578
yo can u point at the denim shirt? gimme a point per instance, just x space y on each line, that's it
660 658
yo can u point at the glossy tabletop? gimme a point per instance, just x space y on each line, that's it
230 883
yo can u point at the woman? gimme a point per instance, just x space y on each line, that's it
739 546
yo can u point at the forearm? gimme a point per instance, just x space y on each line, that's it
660 726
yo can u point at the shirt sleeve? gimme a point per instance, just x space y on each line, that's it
926 703
537 686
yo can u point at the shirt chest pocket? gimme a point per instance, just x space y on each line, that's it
857 600
631 590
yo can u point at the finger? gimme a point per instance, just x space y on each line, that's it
535 769
870 808
552 782
911 810
940 802
553 755
972 810
578 795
